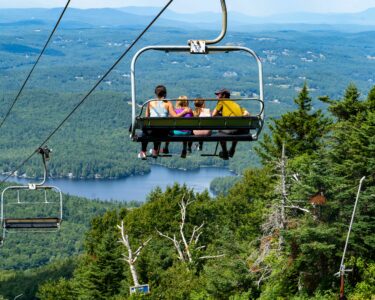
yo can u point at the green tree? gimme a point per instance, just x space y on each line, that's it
349 107
62 289
301 131
101 271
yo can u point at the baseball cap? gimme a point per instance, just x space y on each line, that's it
223 91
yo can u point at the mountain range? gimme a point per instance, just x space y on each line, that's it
140 16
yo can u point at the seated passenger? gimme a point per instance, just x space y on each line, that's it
159 107
181 105
200 110
228 108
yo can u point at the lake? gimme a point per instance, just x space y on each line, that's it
136 187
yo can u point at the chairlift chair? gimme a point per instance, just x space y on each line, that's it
41 223
252 124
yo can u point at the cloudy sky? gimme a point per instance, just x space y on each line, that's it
250 7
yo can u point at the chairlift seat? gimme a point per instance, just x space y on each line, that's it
197 123
32 223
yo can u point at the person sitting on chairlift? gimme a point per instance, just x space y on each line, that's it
181 104
228 108
200 110
159 107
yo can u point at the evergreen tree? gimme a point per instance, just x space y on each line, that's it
101 270
349 107
300 130
370 103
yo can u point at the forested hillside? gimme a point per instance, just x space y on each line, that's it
278 234
95 143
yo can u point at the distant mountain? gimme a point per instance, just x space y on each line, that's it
84 17
366 17
140 16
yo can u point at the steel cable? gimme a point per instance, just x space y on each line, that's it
91 90
36 62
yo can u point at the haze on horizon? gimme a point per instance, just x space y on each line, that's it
249 7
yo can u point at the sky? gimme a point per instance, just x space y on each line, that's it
249 7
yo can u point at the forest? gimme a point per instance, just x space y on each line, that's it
95 142
277 233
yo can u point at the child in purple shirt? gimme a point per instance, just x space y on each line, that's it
181 105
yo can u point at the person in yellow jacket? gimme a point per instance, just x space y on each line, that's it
228 108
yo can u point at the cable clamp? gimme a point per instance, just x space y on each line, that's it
198 47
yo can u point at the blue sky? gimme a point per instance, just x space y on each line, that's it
249 7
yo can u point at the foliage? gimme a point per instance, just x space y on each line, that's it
13 283
222 185
300 130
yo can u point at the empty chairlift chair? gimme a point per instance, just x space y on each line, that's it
32 207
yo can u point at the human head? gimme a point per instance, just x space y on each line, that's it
223 93
182 101
199 102
161 91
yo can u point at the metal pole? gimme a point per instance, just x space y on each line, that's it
342 266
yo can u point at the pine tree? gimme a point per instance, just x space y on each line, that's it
300 130
101 270
349 107
370 102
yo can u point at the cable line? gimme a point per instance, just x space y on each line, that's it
36 62
91 90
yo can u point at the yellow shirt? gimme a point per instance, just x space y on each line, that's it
229 108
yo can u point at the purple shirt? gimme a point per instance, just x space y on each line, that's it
180 110
188 115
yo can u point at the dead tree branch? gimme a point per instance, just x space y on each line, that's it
132 257
184 252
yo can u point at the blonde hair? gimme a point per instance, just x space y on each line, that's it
182 101
199 103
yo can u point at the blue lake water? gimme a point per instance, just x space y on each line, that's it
139 186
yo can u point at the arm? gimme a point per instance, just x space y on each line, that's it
217 109
245 113
215 112
174 115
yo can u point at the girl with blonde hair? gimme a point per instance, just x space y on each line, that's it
181 105
200 110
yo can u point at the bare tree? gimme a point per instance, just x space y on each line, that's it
131 257
183 245
272 240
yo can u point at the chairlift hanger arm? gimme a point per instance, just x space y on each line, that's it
224 26
44 152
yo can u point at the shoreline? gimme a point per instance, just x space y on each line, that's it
100 178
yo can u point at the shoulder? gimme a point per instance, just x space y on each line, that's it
219 105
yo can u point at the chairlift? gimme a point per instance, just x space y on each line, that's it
47 201
251 125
